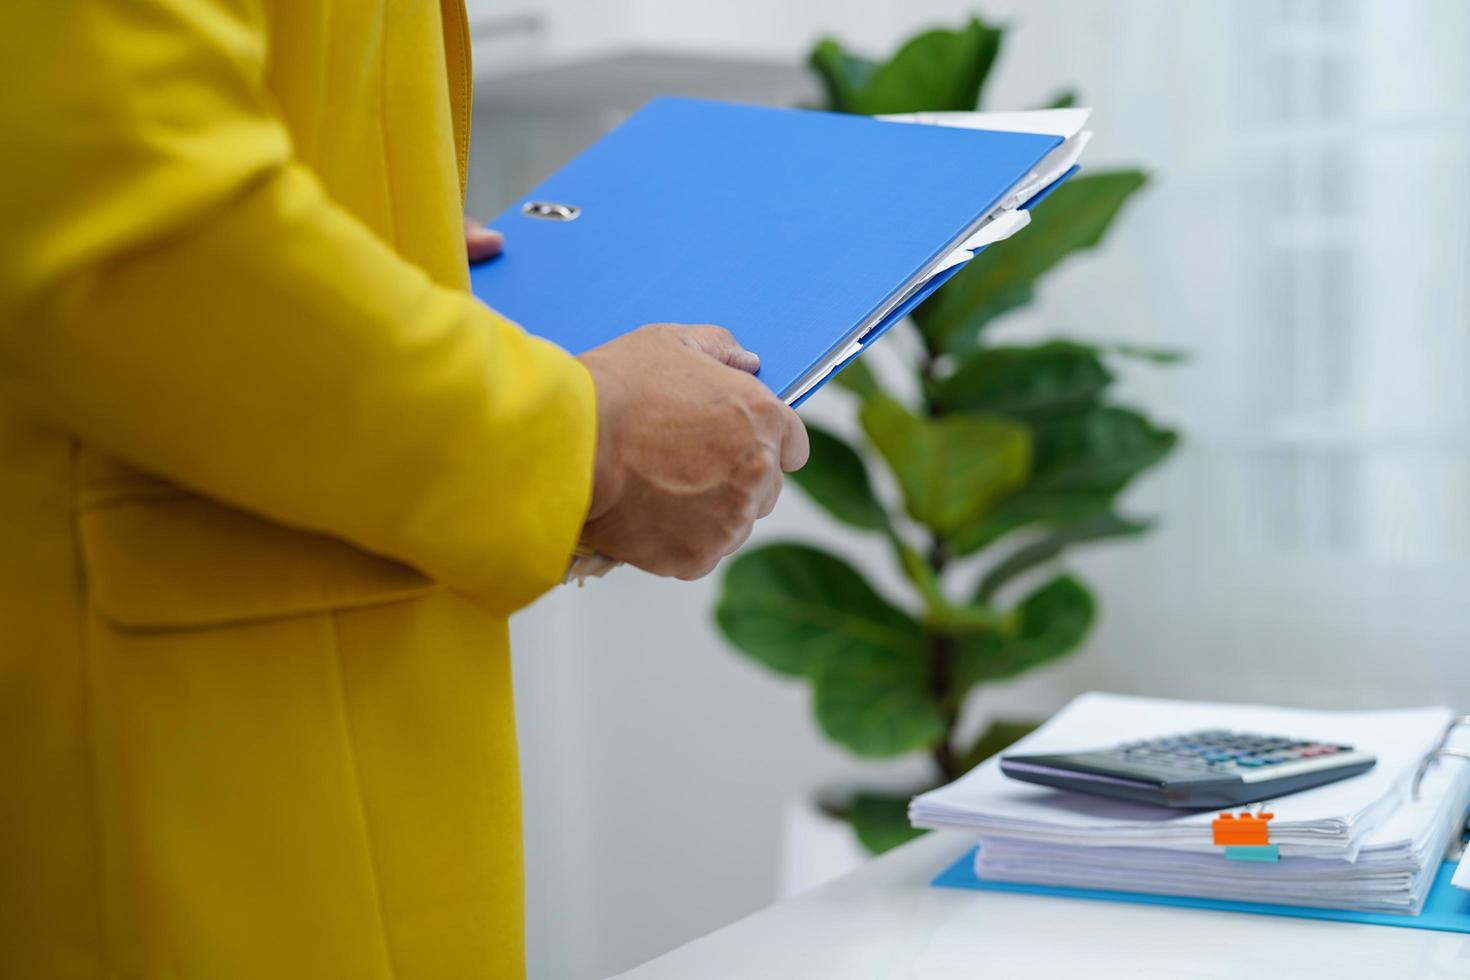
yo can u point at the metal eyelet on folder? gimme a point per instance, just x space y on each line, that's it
550 211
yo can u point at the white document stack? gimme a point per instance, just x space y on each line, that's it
1361 843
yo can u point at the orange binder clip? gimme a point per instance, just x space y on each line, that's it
1246 830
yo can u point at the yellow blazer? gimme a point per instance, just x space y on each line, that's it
270 484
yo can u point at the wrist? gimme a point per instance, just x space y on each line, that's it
607 480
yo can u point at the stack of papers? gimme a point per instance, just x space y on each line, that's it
1359 844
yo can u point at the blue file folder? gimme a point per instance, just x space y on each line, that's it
1446 909
797 230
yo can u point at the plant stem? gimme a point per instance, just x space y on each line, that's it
940 650
939 647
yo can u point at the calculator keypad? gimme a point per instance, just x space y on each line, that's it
1222 752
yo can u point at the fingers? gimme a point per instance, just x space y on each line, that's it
720 344
795 445
480 242
739 539
702 450
756 500
696 574
766 502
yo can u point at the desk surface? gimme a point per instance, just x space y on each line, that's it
885 921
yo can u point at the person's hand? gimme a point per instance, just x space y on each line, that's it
690 448
482 243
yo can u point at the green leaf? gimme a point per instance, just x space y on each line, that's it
800 610
836 479
1065 99
1101 449
792 607
1052 544
942 615
951 468
999 279
937 71
856 378
1026 383
844 76
1054 620
881 821
1081 463
1027 508
997 737
876 700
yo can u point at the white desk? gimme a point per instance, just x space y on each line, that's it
885 921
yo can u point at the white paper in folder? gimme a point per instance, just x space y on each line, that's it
1008 218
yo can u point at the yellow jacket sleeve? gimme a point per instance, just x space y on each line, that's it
178 289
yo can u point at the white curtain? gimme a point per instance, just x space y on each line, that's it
1307 240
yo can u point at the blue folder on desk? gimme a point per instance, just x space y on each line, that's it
1446 909
807 234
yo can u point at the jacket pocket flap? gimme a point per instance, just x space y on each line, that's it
185 562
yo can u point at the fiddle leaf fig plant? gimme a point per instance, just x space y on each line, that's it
1011 455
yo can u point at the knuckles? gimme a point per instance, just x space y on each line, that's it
706 451
720 335
694 562
754 471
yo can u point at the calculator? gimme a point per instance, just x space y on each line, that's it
1208 769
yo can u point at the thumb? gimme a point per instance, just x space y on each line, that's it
720 344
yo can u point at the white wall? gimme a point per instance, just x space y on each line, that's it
1307 237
